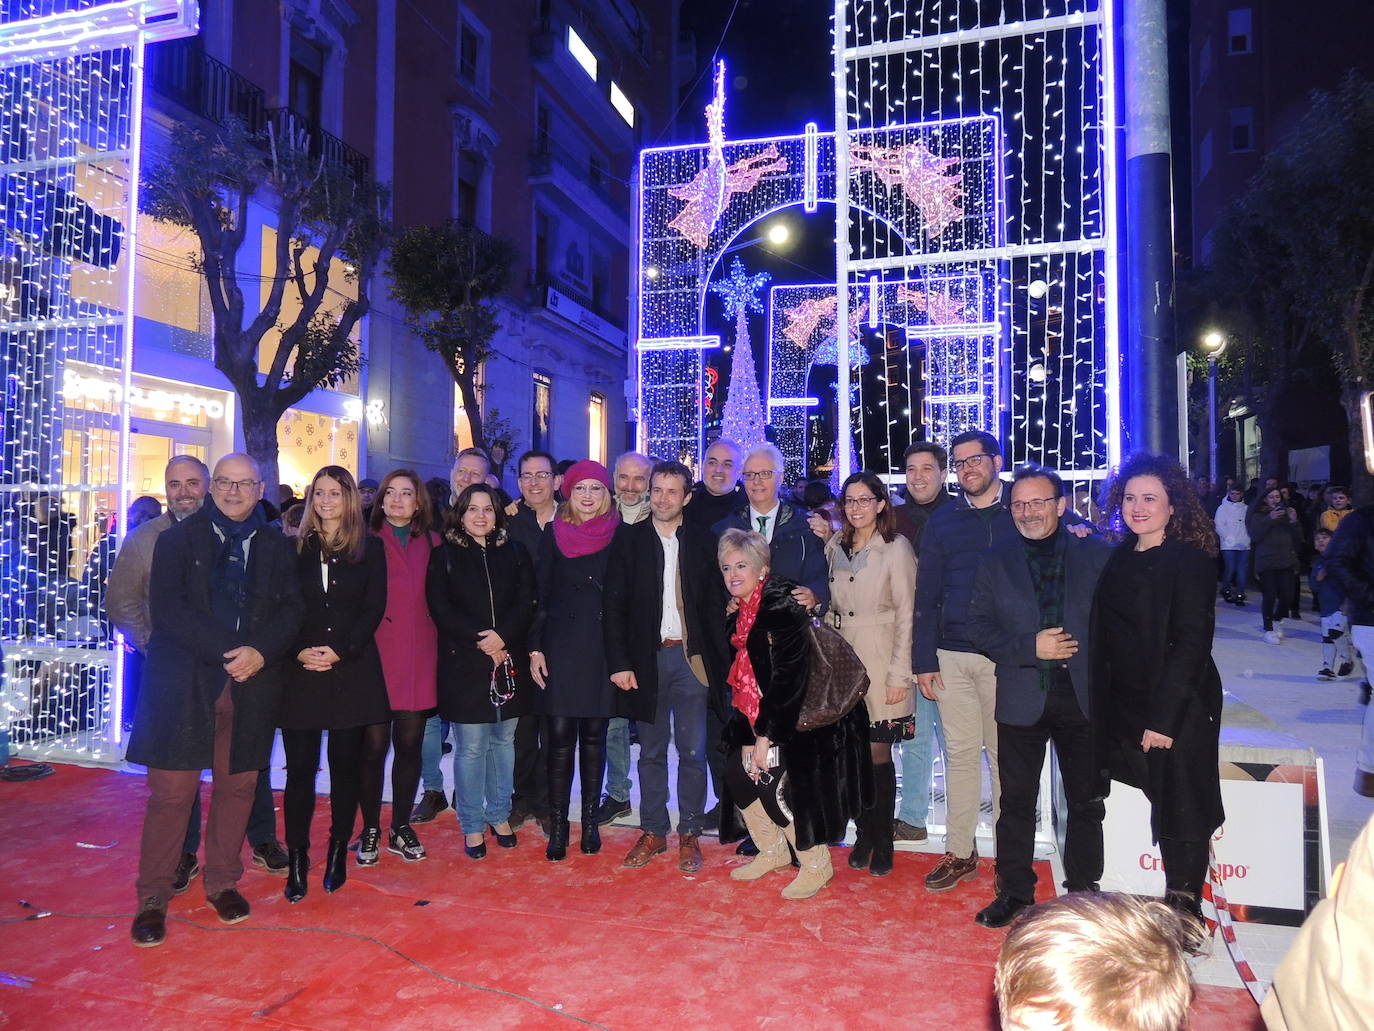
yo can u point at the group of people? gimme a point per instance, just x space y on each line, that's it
543 633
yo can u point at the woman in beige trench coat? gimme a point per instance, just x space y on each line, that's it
872 594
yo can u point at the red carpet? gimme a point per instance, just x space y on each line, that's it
511 941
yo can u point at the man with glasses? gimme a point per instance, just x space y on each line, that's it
529 515
226 608
796 553
186 480
949 669
1030 614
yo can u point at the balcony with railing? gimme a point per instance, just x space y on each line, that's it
184 73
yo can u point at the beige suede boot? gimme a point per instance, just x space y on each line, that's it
767 835
816 870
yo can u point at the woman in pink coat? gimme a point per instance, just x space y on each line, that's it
407 640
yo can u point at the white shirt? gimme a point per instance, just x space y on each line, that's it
755 515
669 624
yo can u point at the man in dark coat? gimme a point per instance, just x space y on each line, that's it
927 467
719 493
529 517
797 553
1030 614
186 481
226 608
664 625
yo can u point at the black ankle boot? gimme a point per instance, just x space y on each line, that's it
591 830
336 865
880 823
297 866
862 852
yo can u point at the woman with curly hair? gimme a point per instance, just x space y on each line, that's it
1158 704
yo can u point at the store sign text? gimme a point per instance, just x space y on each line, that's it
91 388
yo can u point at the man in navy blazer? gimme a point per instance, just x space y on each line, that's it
1030 613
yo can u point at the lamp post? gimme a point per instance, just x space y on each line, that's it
1213 344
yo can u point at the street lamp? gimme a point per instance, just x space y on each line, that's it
1213 343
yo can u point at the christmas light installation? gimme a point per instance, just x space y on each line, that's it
924 177
744 417
71 77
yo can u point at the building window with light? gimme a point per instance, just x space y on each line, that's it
596 427
541 427
1239 32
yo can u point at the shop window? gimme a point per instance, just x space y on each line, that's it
596 427
541 429
308 441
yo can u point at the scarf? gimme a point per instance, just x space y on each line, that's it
632 514
229 591
1047 576
576 539
745 694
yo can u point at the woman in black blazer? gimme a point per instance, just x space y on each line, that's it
336 682
480 588
1158 707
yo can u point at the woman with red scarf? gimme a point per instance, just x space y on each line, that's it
792 787
567 656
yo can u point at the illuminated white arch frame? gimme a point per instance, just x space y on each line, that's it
668 359
123 25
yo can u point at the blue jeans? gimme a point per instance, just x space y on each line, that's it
682 698
1233 570
484 767
618 759
916 761
431 751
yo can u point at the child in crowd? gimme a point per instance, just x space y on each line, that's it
1108 962
1336 656
1337 508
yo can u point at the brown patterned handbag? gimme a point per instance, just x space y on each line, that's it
836 680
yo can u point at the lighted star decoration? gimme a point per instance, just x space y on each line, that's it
710 191
922 175
807 317
739 292
939 307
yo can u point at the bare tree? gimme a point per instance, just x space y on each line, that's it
205 183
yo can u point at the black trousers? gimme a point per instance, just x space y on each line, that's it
531 770
1276 587
1021 756
768 790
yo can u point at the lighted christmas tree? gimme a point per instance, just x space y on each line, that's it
744 417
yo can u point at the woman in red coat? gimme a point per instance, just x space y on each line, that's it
407 640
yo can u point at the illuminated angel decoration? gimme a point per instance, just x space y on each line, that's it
940 308
709 192
806 318
923 176
828 353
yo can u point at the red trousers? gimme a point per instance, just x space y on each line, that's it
170 796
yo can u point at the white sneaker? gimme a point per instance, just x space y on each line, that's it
1273 637
1278 629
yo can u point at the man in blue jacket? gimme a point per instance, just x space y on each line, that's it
797 553
949 669
1030 614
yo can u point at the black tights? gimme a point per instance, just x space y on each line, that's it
407 735
356 757
767 790
566 733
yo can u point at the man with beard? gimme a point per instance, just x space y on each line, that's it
1030 614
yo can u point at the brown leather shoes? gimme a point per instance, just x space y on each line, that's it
648 846
230 905
951 870
688 853
150 926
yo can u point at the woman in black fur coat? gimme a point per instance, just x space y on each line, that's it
792 787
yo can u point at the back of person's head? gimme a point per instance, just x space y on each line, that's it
1096 962
816 493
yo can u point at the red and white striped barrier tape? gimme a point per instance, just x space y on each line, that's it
1213 893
